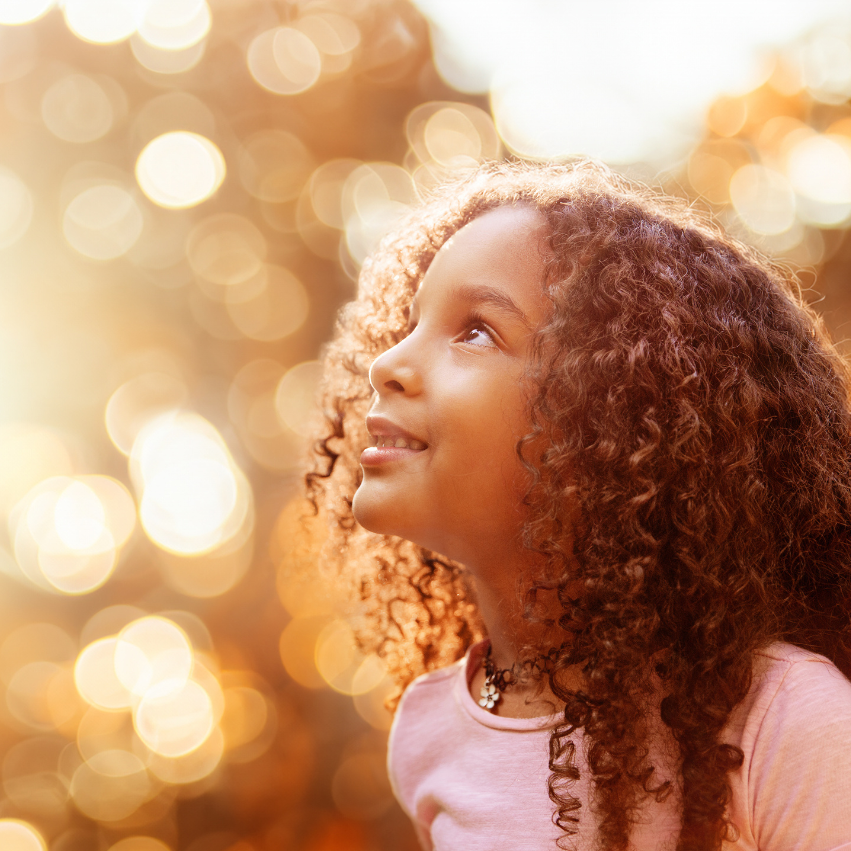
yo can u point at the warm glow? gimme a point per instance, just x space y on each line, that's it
139 843
342 665
69 531
297 647
19 836
110 785
175 24
103 21
16 207
819 167
375 197
102 222
295 397
274 165
96 678
190 767
193 497
23 11
227 250
162 61
284 61
173 722
77 109
137 402
764 199
152 655
180 169
274 306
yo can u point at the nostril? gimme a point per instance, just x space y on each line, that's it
393 385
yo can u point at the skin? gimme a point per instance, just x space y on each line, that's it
455 383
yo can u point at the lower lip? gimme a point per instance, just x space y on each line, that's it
374 456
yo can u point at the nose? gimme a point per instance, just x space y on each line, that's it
395 371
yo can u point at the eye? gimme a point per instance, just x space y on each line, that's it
478 334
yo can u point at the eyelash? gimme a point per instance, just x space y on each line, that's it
475 322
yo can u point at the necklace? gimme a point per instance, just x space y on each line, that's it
497 680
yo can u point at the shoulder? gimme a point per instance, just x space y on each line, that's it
794 729
798 681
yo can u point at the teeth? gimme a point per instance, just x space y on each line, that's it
399 443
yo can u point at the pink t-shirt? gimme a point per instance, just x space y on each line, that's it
473 781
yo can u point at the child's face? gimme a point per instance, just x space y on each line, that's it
449 402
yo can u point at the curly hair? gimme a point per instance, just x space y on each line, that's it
695 485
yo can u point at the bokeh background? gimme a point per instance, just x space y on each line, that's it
187 191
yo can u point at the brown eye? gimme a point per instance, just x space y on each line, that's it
478 334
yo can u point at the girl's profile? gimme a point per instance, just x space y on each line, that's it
588 463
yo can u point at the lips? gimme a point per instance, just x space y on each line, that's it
386 433
389 442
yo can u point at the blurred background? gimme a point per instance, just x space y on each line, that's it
187 191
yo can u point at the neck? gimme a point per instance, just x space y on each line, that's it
513 636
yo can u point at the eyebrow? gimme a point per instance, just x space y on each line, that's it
474 294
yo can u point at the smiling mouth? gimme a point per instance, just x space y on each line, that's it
382 441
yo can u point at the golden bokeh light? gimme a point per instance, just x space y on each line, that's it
819 168
139 843
274 306
68 532
14 12
173 722
335 36
763 198
111 785
102 222
164 61
175 24
284 60
326 191
152 654
295 396
193 496
137 402
342 665
298 646
31 778
18 835
446 136
375 197
274 165
96 678
29 454
102 21
16 207
372 705
226 250
77 109
249 721
192 767
104 730
180 169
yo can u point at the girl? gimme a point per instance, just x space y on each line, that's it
570 416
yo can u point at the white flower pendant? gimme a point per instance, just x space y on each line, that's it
490 695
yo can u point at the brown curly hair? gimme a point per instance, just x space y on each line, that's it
694 410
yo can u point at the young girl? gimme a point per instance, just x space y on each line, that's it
571 416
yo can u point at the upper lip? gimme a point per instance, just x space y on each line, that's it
379 426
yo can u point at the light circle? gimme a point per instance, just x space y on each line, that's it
23 11
19 836
16 207
103 21
180 169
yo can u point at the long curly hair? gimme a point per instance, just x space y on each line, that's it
695 485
